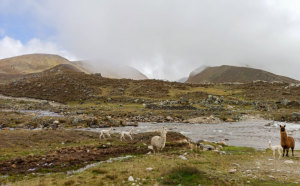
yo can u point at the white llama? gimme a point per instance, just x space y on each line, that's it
159 142
105 132
274 148
124 133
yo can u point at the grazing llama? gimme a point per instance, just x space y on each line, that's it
123 134
274 148
105 132
287 142
159 142
192 145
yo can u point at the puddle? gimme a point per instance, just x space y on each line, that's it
252 133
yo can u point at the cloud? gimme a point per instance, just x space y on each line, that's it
170 38
10 47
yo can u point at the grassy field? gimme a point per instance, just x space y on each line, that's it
234 166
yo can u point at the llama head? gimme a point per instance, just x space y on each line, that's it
282 128
164 130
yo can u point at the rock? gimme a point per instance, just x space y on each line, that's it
208 147
182 157
222 153
223 143
149 169
232 171
169 118
288 161
236 164
130 178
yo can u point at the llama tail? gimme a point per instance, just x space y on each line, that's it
150 147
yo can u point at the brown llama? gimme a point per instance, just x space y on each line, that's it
287 142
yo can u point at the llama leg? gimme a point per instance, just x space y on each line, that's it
283 152
274 154
287 152
130 137
279 152
293 151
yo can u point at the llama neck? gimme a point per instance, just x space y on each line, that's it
283 135
163 137
270 145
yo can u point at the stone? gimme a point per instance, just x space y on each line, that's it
149 169
223 143
236 164
288 161
182 157
232 171
208 147
130 178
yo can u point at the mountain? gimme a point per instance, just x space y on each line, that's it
16 67
226 73
111 70
31 63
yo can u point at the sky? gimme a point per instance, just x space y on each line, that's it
164 39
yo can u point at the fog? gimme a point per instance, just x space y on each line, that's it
167 39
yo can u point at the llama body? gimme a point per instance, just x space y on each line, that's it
193 146
159 142
287 142
274 148
105 132
123 134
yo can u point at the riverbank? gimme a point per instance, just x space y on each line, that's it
48 158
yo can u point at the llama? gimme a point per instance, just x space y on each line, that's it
192 145
287 142
123 134
159 142
105 132
274 148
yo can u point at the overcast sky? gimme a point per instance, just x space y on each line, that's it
164 39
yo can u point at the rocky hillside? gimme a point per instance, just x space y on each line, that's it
31 63
116 71
16 67
226 73
64 83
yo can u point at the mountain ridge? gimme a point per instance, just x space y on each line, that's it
227 73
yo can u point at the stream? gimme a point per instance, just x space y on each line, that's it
252 133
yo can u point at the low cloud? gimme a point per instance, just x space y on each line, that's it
10 47
170 38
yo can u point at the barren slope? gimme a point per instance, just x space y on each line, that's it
226 73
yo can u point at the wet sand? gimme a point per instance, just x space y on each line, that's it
251 133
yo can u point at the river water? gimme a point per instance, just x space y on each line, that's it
252 133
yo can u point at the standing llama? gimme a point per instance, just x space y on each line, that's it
123 134
159 142
274 148
105 132
287 142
